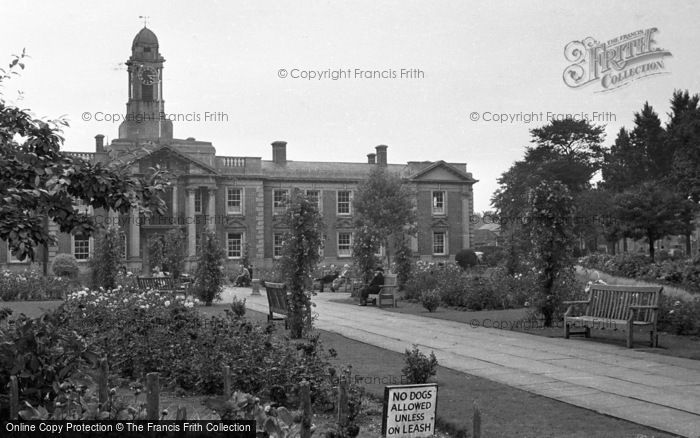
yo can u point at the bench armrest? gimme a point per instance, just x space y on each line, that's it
635 306
576 302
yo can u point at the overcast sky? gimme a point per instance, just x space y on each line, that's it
225 57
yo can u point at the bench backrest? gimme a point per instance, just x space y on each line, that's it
390 280
613 302
155 282
276 297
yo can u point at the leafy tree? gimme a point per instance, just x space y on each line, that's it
366 243
550 214
384 205
404 261
174 253
568 151
683 137
107 258
209 275
300 256
39 181
648 138
155 252
652 211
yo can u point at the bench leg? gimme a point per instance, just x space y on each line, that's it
654 339
567 331
588 332
630 336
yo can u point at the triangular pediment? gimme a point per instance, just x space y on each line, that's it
443 172
174 161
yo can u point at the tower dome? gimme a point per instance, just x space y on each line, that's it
145 37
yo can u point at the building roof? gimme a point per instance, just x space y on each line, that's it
145 37
325 170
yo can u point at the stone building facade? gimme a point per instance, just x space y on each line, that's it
240 197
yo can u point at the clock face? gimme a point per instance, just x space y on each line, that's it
148 75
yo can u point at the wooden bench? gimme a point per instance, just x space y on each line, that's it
612 307
387 293
162 284
277 301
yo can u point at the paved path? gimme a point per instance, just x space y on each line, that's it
658 391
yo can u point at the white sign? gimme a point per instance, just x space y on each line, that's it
409 410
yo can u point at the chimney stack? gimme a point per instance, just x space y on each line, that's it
371 158
381 154
99 143
279 152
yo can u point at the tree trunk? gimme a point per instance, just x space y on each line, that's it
651 248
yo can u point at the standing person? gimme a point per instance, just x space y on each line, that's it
374 286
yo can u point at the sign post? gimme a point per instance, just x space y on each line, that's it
409 410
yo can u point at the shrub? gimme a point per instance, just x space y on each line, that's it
680 317
403 261
419 367
493 255
209 275
174 253
238 307
422 278
148 331
65 265
430 299
107 259
466 258
31 284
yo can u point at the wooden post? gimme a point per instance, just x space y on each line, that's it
305 431
476 422
152 396
14 398
227 382
181 413
102 383
255 283
343 402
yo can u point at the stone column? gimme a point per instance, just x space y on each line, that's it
211 210
173 213
191 226
134 235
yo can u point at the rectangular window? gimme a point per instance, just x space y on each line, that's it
314 197
439 243
234 245
344 201
277 242
81 247
344 244
279 201
234 200
438 202
198 201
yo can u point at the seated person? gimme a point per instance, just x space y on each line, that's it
328 278
157 272
243 279
344 278
374 286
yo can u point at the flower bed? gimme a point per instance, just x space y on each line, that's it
684 273
31 284
148 331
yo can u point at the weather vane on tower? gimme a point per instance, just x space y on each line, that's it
145 19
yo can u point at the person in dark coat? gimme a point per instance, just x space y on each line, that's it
374 286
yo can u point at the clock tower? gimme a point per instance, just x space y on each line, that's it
145 109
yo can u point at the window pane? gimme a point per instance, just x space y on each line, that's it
438 202
314 197
279 198
233 200
344 244
81 247
439 242
234 245
277 241
344 202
